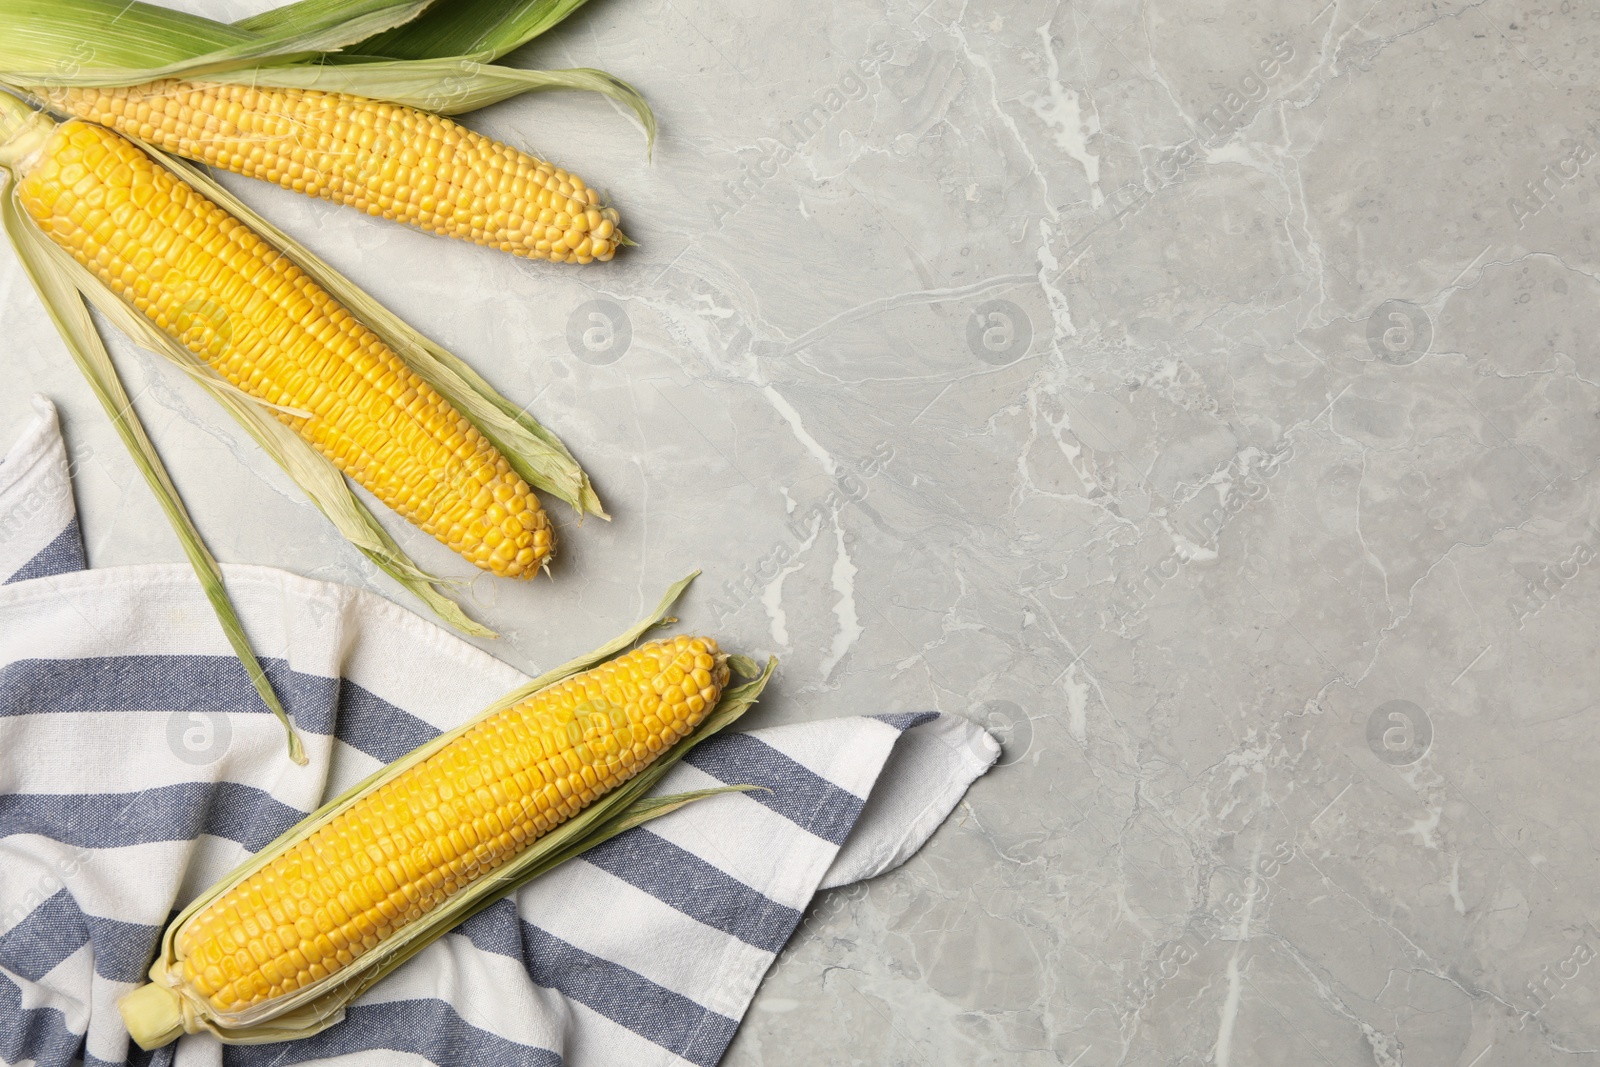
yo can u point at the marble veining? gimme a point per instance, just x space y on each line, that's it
1201 395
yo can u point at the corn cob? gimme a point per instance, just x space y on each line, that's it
384 159
399 849
232 299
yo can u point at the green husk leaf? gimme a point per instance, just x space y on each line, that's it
67 37
448 29
442 65
287 16
43 262
532 450
130 43
448 85
313 472
619 810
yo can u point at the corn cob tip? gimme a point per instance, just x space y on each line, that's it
152 1015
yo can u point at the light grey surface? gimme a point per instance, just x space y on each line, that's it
1174 386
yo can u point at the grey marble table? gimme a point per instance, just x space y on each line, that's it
1203 395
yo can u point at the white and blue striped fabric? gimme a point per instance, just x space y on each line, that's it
137 766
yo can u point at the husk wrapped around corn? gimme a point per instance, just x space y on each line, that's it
236 302
277 948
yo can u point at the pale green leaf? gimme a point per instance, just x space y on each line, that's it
66 37
288 17
46 266
52 43
634 815
456 28
130 43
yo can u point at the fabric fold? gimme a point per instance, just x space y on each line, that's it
38 524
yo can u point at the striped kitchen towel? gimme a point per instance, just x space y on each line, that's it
137 766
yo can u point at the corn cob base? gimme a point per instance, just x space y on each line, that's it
421 834
385 159
206 279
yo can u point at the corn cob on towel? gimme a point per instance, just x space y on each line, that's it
137 766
